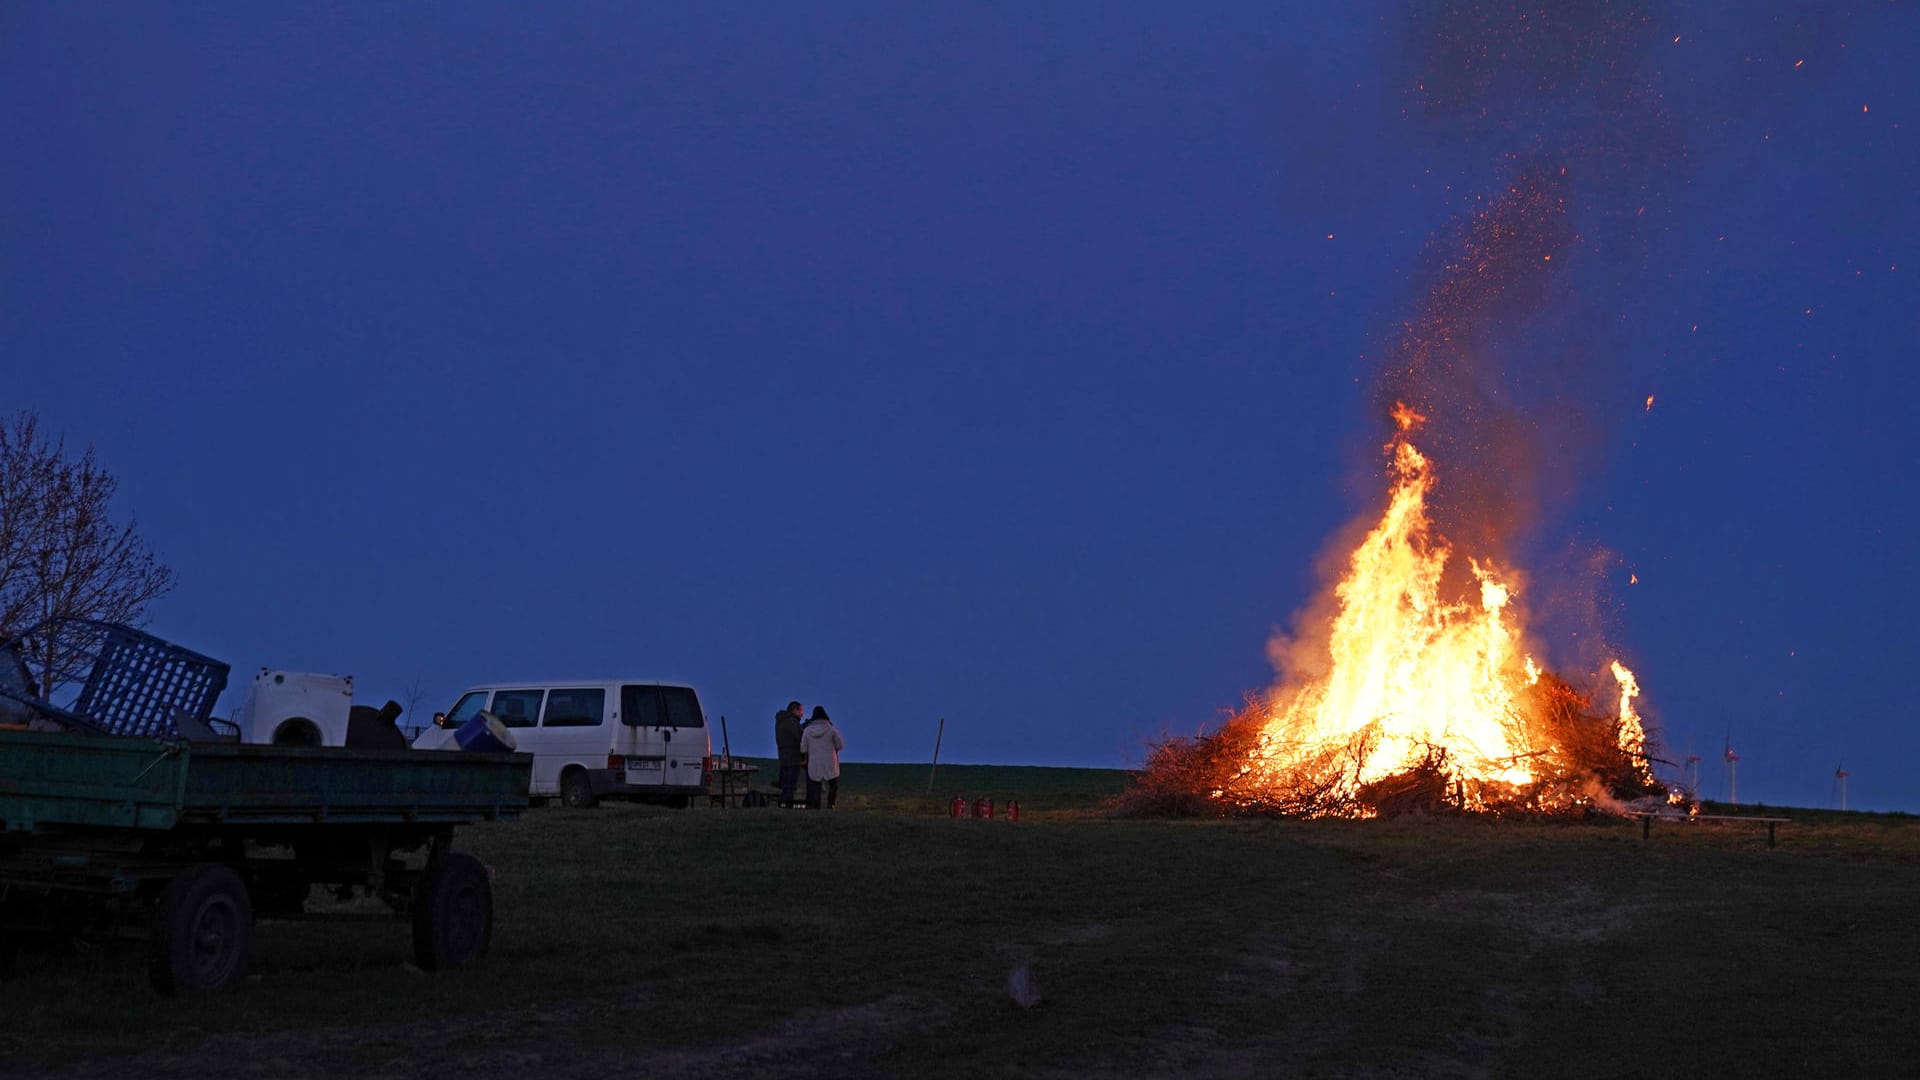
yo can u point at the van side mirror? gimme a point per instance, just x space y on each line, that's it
439 719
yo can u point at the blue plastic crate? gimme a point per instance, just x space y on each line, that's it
134 684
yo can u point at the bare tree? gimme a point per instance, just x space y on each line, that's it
61 553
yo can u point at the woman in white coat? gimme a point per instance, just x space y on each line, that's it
820 741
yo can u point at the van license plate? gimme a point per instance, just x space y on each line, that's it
646 773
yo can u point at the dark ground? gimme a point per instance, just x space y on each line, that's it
878 940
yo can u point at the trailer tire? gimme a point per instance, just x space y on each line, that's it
576 790
202 932
452 913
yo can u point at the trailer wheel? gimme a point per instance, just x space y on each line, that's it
576 791
452 913
202 932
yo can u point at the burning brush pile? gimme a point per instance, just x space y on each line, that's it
1422 698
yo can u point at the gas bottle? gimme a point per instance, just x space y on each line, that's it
958 807
1013 809
983 808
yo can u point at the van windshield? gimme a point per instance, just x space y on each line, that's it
466 708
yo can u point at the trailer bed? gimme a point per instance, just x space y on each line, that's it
61 782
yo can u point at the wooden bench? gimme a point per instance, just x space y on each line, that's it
1646 821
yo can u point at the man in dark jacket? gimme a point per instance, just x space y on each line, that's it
786 738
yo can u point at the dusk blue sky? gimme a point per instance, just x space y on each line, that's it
1007 363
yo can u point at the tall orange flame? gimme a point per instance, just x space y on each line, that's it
1416 678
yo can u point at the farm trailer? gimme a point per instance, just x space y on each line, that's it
186 843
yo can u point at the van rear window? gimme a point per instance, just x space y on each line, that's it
660 706
683 709
640 706
575 708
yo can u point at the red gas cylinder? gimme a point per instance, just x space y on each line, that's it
983 808
958 807
1013 809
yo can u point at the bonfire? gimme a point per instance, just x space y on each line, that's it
1423 697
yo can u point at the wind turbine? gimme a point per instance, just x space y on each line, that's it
1840 779
1733 771
1690 773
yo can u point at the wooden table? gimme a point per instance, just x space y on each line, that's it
732 784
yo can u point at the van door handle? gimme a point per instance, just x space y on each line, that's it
667 734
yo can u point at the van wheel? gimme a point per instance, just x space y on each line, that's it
202 932
576 792
452 913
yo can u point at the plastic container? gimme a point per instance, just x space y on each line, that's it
484 734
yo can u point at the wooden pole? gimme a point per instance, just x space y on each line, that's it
937 736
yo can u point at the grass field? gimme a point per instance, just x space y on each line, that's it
878 941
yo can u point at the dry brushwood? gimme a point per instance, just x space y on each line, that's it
1573 754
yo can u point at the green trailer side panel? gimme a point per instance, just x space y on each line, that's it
294 784
88 780
79 780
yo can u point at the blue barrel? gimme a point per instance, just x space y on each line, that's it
484 734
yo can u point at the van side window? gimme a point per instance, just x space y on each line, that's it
517 708
640 706
466 708
683 709
575 708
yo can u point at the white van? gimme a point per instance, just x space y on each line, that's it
593 740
